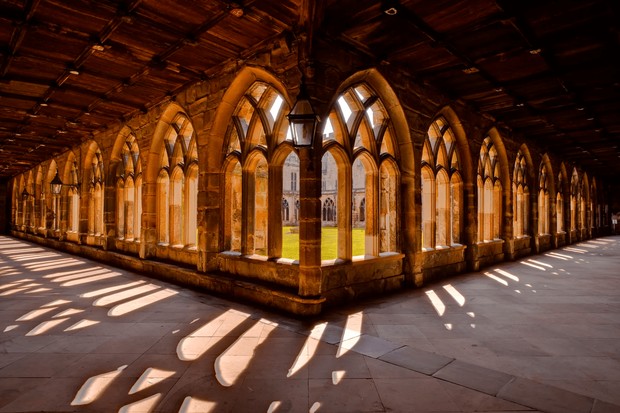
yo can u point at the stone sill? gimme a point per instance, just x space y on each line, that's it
442 248
360 259
489 242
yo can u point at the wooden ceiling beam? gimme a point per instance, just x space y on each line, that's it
17 37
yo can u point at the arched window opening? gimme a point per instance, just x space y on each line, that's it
290 208
260 217
358 195
177 182
333 238
388 205
233 207
163 212
428 207
190 208
456 206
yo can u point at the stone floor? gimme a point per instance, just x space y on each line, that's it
538 334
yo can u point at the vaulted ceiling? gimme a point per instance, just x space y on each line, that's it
546 69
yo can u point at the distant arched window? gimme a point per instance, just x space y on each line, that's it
329 211
442 189
285 210
489 193
177 184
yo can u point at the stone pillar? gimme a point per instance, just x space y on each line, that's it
148 233
310 274
209 216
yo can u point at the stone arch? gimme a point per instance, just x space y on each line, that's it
467 170
548 195
152 165
523 201
215 139
504 167
403 153
392 105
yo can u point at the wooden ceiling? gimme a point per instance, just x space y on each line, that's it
546 69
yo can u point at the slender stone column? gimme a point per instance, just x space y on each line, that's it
310 276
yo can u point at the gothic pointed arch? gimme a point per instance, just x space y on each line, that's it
172 171
364 126
493 187
126 172
522 186
446 166
252 157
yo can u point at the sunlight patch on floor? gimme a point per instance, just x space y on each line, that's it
68 312
351 333
337 376
114 298
45 326
95 386
438 305
108 290
529 264
82 324
506 274
90 279
36 313
306 353
496 278
150 377
192 405
140 302
234 360
458 297
141 406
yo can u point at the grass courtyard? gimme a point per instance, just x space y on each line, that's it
329 242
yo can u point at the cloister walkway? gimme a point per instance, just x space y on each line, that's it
538 334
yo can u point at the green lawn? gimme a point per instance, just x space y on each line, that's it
329 242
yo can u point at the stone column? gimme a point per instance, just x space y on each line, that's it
310 275
148 233
209 216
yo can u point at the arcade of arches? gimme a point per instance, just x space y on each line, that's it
211 183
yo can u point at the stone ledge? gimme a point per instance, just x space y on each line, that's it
269 295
